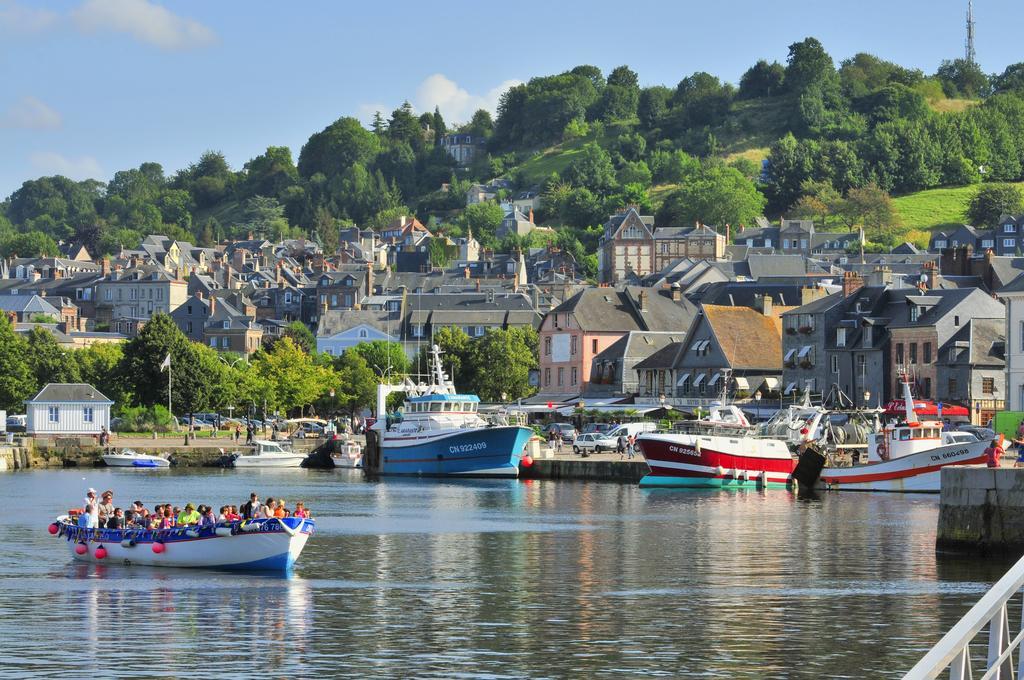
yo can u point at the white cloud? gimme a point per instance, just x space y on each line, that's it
28 113
51 163
456 104
19 20
145 21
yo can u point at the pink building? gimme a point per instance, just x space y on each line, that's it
586 324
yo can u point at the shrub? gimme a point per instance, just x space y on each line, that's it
142 419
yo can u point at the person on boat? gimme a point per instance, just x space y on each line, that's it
106 507
993 453
251 506
268 509
300 510
167 521
90 516
188 515
207 518
116 520
280 510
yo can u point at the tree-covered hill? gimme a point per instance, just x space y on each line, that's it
809 137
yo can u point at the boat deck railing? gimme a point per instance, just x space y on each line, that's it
991 613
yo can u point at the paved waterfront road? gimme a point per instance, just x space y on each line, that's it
491 579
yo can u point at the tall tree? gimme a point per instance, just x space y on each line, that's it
387 359
501 363
763 79
337 147
808 64
49 362
16 379
992 201
291 378
140 368
356 382
718 195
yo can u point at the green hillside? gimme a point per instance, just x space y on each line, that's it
935 208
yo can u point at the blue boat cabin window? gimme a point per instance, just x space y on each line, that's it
435 407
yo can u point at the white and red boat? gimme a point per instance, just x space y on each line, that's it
720 451
907 456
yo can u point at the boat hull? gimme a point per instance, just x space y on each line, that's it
715 462
269 461
270 546
149 462
915 473
485 452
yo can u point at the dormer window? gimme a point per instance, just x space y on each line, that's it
840 337
226 324
632 232
1009 228
915 313
987 243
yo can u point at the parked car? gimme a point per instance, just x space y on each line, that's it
567 429
17 423
593 441
598 427
633 429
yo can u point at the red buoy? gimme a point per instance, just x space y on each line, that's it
804 431
53 529
80 549
100 553
158 547
526 461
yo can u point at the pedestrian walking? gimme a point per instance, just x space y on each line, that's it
632 444
620 445
993 453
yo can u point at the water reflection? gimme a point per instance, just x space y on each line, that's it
501 579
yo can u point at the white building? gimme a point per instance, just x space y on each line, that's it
1013 295
67 409
341 329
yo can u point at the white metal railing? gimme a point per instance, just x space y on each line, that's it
953 650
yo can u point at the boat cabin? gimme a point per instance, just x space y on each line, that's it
441 403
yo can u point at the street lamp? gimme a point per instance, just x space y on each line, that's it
867 398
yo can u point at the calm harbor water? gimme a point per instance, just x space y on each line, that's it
491 579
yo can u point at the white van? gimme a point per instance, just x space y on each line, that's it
634 429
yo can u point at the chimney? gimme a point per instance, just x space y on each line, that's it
531 215
763 304
134 262
277 275
728 234
213 303
933 275
677 292
57 273
249 236
227 275
105 267
35 275
852 282
369 279
642 301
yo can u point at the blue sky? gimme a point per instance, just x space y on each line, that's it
88 87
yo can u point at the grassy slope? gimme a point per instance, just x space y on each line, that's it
935 208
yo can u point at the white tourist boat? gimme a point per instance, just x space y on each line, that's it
133 459
266 454
262 544
906 456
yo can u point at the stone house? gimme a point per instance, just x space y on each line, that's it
626 249
971 369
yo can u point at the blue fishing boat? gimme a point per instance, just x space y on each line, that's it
441 432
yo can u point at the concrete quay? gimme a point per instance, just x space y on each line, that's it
981 511
602 467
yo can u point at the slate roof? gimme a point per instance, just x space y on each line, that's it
971 302
662 358
27 304
742 293
69 392
617 309
335 321
987 341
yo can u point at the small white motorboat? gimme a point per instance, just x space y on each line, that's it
348 455
265 544
268 454
134 459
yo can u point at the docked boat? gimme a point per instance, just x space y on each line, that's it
268 454
905 456
441 433
347 454
721 450
133 459
262 544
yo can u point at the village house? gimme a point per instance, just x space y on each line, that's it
730 352
138 293
578 330
65 409
971 369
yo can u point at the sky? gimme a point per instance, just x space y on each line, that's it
89 87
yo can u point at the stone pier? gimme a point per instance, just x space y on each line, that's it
981 511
